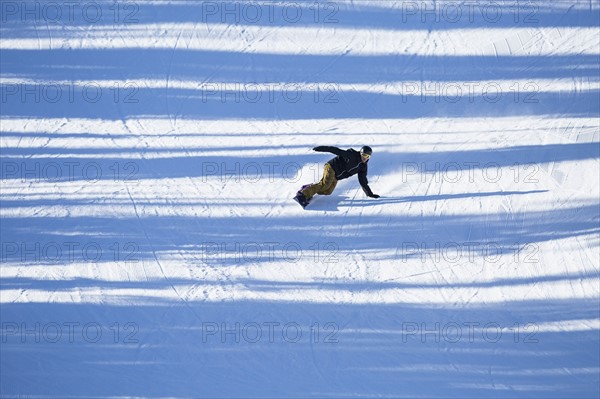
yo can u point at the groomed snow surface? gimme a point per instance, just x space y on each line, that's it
151 248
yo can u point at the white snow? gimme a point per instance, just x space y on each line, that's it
151 248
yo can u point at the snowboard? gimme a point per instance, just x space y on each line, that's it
300 199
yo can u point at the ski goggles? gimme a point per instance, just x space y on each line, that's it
365 156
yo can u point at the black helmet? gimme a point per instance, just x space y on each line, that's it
365 149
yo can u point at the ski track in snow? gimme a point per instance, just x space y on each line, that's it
207 266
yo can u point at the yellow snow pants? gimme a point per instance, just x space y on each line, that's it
325 186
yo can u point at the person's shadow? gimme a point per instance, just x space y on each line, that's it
326 202
334 202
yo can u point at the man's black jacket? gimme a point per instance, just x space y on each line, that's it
348 163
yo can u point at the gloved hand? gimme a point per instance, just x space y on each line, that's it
374 196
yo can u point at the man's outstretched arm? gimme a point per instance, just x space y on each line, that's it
364 183
331 149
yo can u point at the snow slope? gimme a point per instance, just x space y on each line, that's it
150 246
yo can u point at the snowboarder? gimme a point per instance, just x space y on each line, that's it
347 163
